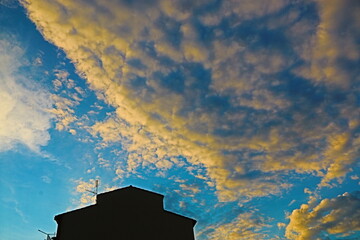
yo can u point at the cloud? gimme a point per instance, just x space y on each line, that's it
25 117
354 177
243 10
67 98
224 84
333 44
64 112
46 179
9 3
281 225
15 206
245 226
83 187
338 216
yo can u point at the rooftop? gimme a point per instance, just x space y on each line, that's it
130 194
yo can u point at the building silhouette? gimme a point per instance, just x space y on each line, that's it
128 213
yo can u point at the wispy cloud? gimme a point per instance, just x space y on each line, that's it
9 3
25 117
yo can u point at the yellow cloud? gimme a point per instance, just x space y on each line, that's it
335 41
339 215
83 188
63 111
341 153
120 55
245 226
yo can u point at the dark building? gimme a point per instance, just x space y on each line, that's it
128 213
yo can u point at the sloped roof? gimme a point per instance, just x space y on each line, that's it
117 191
131 188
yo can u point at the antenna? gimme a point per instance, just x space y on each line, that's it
95 191
47 235
96 186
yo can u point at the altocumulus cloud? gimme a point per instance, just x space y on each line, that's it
246 226
24 116
337 216
244 89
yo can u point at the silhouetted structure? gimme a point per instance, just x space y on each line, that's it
128 213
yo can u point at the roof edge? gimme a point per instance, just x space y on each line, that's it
131 187
57 217
179 215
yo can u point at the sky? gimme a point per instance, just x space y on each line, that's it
245 114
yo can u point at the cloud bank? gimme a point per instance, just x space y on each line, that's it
24 117
243 89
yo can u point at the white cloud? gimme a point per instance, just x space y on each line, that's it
24 108
46 179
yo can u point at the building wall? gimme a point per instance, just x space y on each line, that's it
133 216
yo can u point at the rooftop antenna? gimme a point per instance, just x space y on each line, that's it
95 191
47 235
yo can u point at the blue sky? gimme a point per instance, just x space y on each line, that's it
244 114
